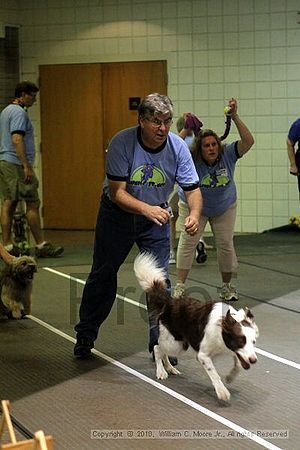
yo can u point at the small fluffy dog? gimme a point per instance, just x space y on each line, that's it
16 286
210 329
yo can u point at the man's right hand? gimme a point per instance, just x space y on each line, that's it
156 214
28 174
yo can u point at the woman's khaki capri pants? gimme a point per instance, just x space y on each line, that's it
223 230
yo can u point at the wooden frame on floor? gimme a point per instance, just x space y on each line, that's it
39 442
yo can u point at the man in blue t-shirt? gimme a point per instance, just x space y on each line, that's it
293 154
18 181
142 165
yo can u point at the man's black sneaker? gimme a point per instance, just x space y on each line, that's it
201 255
83 347
173 360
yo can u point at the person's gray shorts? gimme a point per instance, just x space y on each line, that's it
12 186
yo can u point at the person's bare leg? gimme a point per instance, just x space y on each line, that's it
7 212
206 246
34 221
182 275
226 277
179 288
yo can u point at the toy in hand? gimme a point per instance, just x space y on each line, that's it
227 110
231 108
192 123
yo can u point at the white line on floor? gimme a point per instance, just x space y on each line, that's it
287 362
243 431
269 355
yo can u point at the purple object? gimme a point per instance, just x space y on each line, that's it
193 123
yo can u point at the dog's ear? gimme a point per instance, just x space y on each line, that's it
250 318
249 314
230 318
229 321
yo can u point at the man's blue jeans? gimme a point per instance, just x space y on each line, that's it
116 232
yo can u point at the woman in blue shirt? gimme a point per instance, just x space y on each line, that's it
215 164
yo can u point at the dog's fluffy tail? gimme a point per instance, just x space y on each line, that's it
148 273
152 279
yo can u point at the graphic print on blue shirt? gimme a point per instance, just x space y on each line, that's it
217 177
148 174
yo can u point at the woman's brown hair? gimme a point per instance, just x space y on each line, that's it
196 147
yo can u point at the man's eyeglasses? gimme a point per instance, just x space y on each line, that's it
156 123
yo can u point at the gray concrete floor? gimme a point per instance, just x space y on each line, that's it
117 390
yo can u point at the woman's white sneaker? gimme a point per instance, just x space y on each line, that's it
179 290
228 292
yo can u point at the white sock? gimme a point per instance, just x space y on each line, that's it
41 245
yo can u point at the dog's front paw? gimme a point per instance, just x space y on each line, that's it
171 369
223 393
17 315
161 374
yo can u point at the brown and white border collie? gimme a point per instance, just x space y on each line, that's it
210 329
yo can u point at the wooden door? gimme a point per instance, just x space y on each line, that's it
82 107
122 81
72 145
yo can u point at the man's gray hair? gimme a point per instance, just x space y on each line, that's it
155 105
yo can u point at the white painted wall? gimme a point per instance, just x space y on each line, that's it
248 49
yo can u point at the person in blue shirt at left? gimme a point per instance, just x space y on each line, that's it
18 181
143 163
